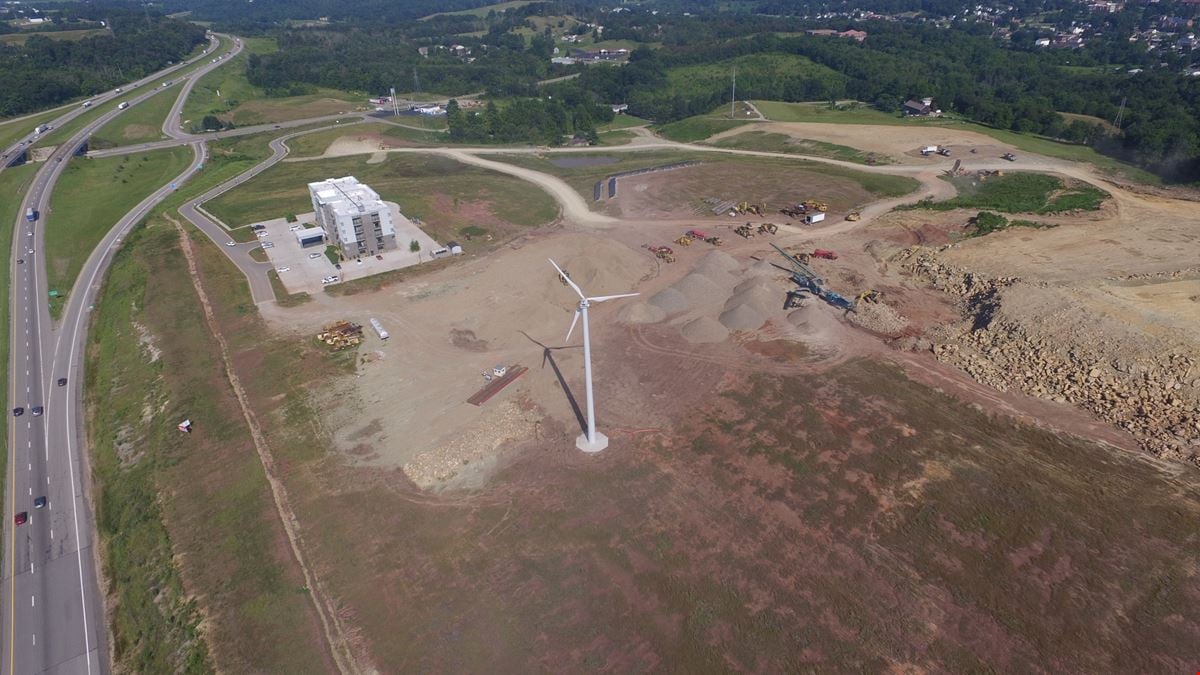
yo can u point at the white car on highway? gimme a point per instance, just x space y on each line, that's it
231 243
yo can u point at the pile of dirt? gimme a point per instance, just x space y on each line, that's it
878 317
718 261
742 317
670 301
643 312
697 288
757 295
762 268
704 330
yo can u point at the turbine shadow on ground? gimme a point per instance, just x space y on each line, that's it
548 357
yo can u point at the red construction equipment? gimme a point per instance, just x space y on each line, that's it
696 234
824 253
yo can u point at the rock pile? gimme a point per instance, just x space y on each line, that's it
1152 391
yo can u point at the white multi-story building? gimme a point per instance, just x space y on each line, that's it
353 216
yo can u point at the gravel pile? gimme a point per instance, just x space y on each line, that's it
878 317
670 301
697 288
718 261
759 297
704 330
742 317
642 312
762 268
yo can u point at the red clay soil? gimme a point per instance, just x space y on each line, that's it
833 520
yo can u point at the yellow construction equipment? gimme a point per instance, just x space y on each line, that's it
746 231
871 295
341 334
684 241
853 215
768 228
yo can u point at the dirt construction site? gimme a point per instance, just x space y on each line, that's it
898 447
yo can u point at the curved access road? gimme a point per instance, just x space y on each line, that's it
239 254
53 611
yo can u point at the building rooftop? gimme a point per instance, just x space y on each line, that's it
345 196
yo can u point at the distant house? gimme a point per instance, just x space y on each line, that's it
563 60
620 108
858 35
1042 42
423 51
922 108
822 32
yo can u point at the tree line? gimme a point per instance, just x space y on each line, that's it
549 121
45 72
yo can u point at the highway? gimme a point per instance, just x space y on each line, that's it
53 611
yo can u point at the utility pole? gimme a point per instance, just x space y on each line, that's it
416 82
1120 115
733 94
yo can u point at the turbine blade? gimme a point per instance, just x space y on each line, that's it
602 298
572 329
566 278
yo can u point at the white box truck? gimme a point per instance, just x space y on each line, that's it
383 334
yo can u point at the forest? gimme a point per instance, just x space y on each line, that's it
46 72
680 69
546 121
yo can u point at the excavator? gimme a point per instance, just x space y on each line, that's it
746 231
768 228
663 253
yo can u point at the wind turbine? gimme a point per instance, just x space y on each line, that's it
591 441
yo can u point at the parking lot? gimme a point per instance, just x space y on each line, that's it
301 271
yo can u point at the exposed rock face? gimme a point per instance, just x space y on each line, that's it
1140 382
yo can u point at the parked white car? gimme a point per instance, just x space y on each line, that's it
330 279
282 269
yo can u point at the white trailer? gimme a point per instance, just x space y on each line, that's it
814 217
383 334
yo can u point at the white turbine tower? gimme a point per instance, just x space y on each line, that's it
590 441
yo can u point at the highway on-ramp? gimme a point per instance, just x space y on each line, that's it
52 608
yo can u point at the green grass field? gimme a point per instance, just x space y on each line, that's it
138 124
483 11
444 194
19 39
622 122
694 129
153 513
224 89
91 196
1019 193
764 141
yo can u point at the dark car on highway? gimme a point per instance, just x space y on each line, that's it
17 412
62 381
21 518
38 410
39 503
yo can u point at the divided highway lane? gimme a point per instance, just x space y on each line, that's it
78 109
54 614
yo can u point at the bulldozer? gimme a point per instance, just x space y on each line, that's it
341 335
684 241
715 241
853 216
562 278
768 228
746 231
871 295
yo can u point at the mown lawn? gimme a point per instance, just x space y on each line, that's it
91 196
442 193
138 124
224 89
